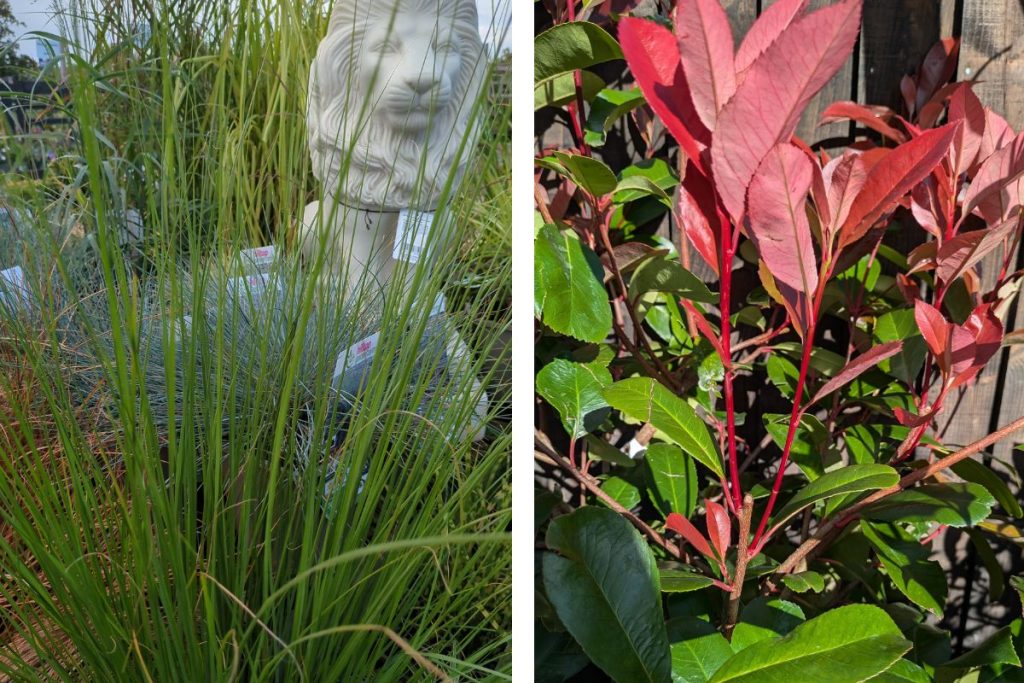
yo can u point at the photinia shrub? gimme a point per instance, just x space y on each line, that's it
741 475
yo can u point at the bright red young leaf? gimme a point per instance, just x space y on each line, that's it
893 177
706 330
963 251
858 366
965 106
936 69
874 117
777 218
653 57
995 188
698 214
974 343
997 134
934 328
844 177
719 527
706 49
772 22
768 103
682 526
908 419
928 202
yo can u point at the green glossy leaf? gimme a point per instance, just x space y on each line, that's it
811 449
678 581
903 671
569 290
803 582
996 649
570 46
665 274
698 649
556 656
673 477
590 174
901 325
599 449
642 398
972 470
561 89
957 505
656 170
637 187
908 566
850 479
603 584
996 576
574 390
846 645
623 492
607 108
764 618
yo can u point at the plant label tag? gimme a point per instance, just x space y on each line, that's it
259 259
411 234
354 363
13 290
438 307
249 290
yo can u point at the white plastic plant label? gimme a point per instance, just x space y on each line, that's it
249 290
259 258
411 234
353 363
13 290
438 307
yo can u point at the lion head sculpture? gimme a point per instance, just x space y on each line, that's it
390 96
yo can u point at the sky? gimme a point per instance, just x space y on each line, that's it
35 15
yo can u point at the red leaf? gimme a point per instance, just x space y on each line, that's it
997 134
772 22
893 177
767 105
653 57
965 106
706 48
844 177
719 527
698 214
858 366
936 69
778 222
874 117
963 251
682 526
934 328
707 331
974 343
994 189
908 419
927 204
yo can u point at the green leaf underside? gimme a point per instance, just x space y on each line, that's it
604 587
574 390
570 46
764 618
907 565
698 649
678 581
644 399
846 645
569 290
957 505
850 479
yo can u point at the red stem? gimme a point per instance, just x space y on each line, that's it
730 404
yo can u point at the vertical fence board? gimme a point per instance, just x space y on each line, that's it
741 15
992 52
841 87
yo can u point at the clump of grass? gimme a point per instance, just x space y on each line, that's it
166 496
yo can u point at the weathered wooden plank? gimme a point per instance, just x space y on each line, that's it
895 37
841 87
992 52
741 15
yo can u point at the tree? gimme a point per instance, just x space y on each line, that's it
11 61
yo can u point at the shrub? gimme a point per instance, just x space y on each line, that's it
687 530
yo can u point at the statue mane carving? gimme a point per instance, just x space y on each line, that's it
369 146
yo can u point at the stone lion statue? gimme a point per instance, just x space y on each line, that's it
391 94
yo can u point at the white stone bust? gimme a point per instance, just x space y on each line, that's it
391 95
